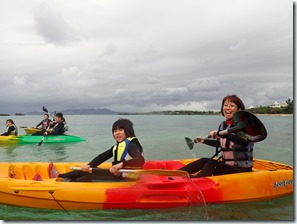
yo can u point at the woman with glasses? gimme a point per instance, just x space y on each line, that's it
237 150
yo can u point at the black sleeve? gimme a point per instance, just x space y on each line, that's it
58 130
211 142
232 137
40 123
10 129
101 158
135 151
237 140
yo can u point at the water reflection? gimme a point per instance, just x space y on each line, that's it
33 152
9 149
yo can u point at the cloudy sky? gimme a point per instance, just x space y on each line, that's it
144 55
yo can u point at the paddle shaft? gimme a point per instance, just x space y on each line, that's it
45 110
149 172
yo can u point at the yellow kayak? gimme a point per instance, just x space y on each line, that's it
10 139
31 131
151 190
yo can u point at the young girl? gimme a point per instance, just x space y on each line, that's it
237 151
126 153
11 128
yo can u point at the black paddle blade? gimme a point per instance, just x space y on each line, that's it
189 142
40 143
44 109
248 122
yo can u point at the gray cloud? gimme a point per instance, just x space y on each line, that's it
51 25
142 56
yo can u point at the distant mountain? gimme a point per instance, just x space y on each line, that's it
78 112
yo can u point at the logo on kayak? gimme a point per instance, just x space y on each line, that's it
59 139
283 183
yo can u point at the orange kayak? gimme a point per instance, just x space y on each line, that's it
150 190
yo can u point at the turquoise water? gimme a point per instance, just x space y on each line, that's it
163 138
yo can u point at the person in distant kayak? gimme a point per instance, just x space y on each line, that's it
236 149
11 128
44 123
58 127
126 153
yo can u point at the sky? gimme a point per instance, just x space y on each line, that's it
144 55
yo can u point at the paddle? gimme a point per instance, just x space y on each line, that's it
45 110
190 143
40 143
151 171
243 120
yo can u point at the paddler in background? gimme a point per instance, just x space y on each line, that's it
11 128
58 127
45 122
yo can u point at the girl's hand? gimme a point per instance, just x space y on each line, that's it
213 134
86 168
114 169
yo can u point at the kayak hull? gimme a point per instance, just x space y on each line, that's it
30 131
24 139
268 180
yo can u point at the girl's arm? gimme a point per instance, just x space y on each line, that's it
101 158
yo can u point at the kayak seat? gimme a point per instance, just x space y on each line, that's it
15 172
29 172
42 171
168 165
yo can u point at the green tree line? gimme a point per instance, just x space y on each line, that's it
289 109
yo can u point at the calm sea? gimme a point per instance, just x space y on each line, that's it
163 138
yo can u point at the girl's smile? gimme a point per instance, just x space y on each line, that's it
119 134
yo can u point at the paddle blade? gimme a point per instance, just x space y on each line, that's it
44 109
190 143
248 122
40 143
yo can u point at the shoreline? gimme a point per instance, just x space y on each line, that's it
276 115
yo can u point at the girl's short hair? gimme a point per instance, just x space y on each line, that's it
126 124
234 99
60 115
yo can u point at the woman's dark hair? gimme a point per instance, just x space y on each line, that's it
126 124
234 99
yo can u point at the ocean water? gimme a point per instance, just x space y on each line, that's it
163 138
